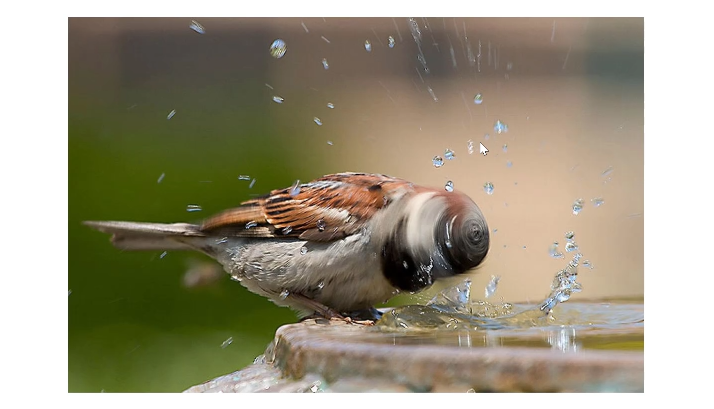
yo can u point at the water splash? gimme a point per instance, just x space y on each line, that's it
491 286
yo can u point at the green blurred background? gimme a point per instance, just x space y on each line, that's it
134 325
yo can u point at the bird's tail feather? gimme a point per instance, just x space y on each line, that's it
149 236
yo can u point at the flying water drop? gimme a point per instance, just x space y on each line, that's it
193 208
278 99
321 225
391 42
499 127
449 187
488 188
478 99
598 201
331 105
325 65
470 146
295 189
449 154
577 206
197 27
284 294
227 342
171 114
278 48
438 161
317 121
368 46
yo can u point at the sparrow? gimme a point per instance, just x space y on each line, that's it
334 247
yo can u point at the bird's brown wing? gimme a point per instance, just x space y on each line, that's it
325 209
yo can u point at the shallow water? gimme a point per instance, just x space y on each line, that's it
569 327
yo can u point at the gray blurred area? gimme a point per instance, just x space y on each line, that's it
569 90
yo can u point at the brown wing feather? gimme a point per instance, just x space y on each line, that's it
325 209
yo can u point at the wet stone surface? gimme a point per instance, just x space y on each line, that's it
335 356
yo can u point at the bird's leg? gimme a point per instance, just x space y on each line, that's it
321 311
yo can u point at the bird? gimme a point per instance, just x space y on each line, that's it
334 247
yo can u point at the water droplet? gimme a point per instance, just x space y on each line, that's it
569 235
303 250
284 294
368 46
195 26
171 114
488 188
449 187
252 183
69 293
433 96
607 172
278 99
304 26
326 40
227 342
193 208
499 127
449 154
405 264
321 225
554 252
161 178
492 285
438 161
598 201
317 121
243 177
570 246
325 64
478 99
251 224
320 285
331 105
295 189
587 264
577 206
509 164
163 254
329 143
391 41
287 230
278 48
505 147
470 146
